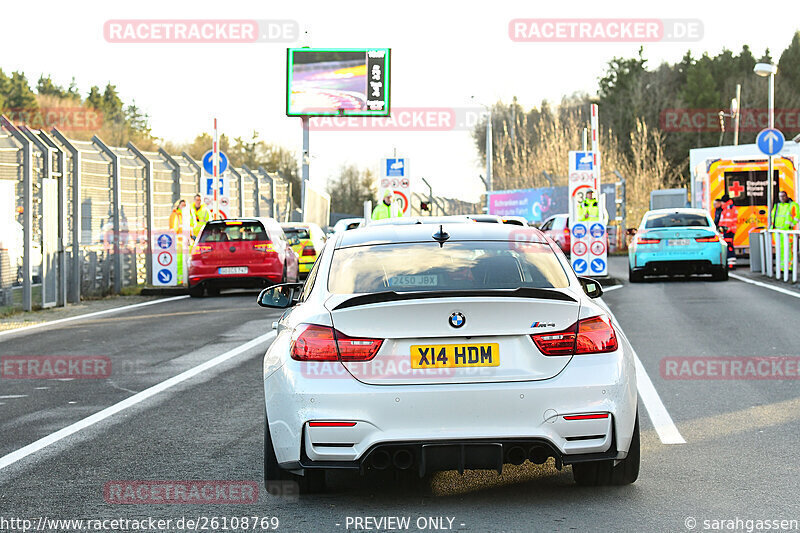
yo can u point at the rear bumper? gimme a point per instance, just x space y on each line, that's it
305 267
705 260
416 417
257 276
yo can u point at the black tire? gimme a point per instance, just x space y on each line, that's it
283 275
720 274
601 473
280 482
634 276
196 291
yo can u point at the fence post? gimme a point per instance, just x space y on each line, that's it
61 171
117 201
27 214
238 177
148 179
75 289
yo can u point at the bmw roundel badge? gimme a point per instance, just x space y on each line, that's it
457 320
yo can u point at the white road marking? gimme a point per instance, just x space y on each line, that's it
659 416
89 421
89 315
766 285
612 288
12 396
662 422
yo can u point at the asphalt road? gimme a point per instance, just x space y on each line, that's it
739 459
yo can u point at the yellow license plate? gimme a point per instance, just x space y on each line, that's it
454 355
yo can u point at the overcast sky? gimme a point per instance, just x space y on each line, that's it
442 53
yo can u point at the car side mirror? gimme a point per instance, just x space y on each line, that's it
591 287
280 296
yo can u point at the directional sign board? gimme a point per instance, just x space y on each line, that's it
395 176
165 259
770 141
208 163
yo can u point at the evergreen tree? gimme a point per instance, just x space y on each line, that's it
45 86
19 94
789 63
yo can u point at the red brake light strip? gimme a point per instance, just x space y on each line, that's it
331 424
586 417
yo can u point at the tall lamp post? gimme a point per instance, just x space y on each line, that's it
769 70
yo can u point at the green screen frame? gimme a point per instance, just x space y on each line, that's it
341 113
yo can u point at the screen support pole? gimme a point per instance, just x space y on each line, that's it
306 160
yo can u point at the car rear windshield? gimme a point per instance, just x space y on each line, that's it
675 220
300 233
473 265
226 231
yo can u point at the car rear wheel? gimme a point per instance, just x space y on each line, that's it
281 482
634 276
720 274
196 291
605 473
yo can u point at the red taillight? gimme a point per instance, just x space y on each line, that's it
586 417
645 240
319 343
566 232
309 250
595 335
331 424
707 239
200 249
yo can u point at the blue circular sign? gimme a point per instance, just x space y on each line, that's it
164 276
598 265
580 266
770 141
597 230
208 162
164 241
579 231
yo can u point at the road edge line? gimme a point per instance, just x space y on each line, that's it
92 314
139 397
766 285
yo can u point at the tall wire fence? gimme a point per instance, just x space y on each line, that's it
78 217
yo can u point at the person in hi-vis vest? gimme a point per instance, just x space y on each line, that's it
387 208
176 225
785 216
198 215
589 210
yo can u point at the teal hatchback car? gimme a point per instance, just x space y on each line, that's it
677 241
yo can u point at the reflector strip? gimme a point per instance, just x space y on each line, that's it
586 417
331 424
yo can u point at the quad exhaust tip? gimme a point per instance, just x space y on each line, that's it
381 460
403 460
516 455
538 455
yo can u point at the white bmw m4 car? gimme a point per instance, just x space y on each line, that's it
463 346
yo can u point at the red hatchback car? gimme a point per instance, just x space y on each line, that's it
240 253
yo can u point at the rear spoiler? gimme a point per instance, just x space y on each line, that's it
392 296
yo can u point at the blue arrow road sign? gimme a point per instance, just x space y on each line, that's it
579 231
164 241
597 230
598 265
208 162
770 141
164 275
579 266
